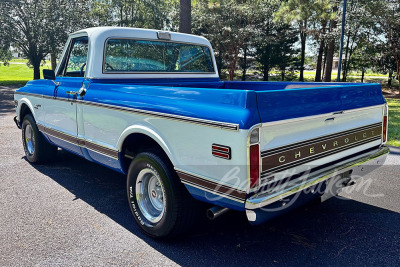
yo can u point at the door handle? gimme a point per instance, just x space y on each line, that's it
71 93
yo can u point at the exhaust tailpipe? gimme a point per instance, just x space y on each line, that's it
215 212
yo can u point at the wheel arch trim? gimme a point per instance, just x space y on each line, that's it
25 101
151 133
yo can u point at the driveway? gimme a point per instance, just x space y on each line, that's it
73 212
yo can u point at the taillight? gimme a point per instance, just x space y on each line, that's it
254 165
385 124
254 157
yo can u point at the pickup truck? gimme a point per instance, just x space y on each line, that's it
150 104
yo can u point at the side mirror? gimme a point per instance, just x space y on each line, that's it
49 74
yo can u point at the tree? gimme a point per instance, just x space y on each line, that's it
319 21
331 46
387 15
39 27
266 37
385 61
298 12
359 34
132 13
363 58
283 52
321 39
5 53
185 21
276 49
229 25
243 62
311 17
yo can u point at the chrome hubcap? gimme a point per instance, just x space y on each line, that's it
29 139
150 195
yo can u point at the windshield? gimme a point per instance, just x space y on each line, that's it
129 55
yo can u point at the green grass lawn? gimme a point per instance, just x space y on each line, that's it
17 73
20 60
394 122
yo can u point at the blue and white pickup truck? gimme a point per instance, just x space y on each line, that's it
150 104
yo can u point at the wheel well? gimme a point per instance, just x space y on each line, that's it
136 143
25 110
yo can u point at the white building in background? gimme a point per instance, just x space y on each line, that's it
15 53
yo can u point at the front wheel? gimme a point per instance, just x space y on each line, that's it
37 149
159 202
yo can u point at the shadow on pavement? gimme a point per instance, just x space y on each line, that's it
336 232
7 98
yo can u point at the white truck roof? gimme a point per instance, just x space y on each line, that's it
99 35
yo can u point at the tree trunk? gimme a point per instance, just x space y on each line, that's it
398 69
266 74
331 50
390 78
218 60
303 38
329 61
244 64
303 55
53 61
231 74
324 65
346 59
396 56
318 77
185 22
120 16
283 75
36 70
362 75
232 66
318 72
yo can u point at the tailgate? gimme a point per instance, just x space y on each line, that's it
304 128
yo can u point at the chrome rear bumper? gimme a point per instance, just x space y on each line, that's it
359 166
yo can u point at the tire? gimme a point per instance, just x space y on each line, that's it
37 149
160 203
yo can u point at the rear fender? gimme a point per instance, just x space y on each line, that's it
150 132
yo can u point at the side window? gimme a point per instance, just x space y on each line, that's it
74 64
194 58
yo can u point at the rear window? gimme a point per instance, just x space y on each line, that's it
129 55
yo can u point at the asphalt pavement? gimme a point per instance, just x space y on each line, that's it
75 213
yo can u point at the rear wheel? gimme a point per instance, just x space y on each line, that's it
37 149
159 202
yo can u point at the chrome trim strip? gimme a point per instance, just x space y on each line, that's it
217 124
222 125
326 115
213 192
263 199
74 140
46 96
210 180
